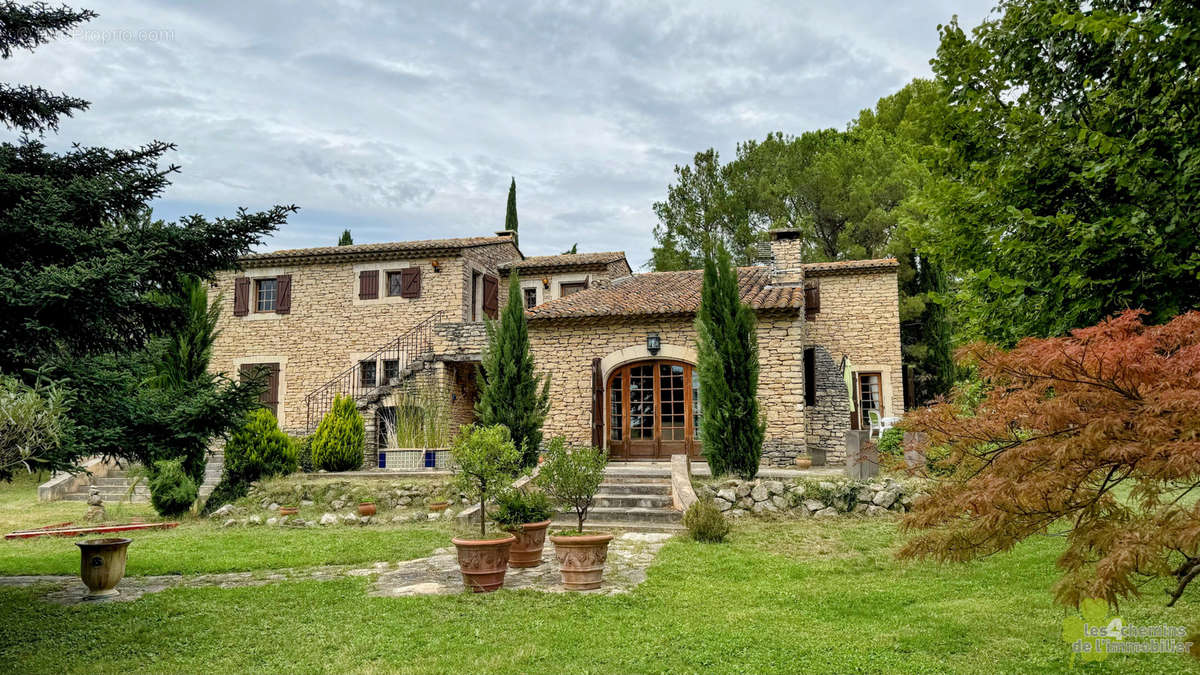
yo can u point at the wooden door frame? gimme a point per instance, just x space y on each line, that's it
856 416
691 444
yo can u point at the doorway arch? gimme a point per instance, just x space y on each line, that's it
652 410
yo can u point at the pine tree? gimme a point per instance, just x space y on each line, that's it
346 239
510 220
509 393
730 428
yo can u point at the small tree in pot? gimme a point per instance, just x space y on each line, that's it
573 476
527 516
487 462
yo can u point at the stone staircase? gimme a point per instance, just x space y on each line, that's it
114 487
632 498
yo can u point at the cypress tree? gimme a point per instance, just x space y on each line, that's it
346 239
339 441
730 428
510 393
510 220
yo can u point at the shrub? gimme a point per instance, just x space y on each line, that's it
573 475
257 450
891 443
516 507
340 439
172 491
34 427
705 522
304 452
487 461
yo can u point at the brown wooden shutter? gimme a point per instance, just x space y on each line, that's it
812 296
269 398
597 405
491 295
368 284
241 296
410 282
283 294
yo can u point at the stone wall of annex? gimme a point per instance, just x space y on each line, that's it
565 349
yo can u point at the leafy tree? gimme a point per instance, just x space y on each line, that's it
340 438
1091 437
573 476
510 218
88 279
34 426
345 239
1076 180
573 250
487 462
510 392
172 491
731 428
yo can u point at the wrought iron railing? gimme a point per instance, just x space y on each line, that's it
372 372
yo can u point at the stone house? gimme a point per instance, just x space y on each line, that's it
620 348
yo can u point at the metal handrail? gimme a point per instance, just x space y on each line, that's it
418 341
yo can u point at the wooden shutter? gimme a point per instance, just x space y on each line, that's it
812 296
410 282
241 296
283 294
597 405
491 295
368 284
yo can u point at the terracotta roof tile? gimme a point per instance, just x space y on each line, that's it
370 250
666 293
564 260
847 266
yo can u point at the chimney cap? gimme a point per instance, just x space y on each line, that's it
505 233
784 233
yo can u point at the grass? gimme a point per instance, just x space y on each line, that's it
816 596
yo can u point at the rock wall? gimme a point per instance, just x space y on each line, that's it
804 498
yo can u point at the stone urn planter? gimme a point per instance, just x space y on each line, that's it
527 549
483 562
803 462
102 565
366 508
581 559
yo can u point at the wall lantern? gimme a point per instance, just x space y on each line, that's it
653 343
545 282
437 265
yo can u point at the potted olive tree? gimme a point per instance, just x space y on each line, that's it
572 476
487 462
526 515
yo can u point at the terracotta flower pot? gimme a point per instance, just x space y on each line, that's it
483 562
581 559
366 509
803 463
527 550
438 506
289 510
102 565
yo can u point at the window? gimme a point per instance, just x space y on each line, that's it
395 283
367 371
391 370
572 288
870 397
264 292
653 410
812 298
404 283
530 297
695 404
616 423
810 376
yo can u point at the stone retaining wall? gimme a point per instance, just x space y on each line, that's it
804 498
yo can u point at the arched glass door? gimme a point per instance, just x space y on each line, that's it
653 410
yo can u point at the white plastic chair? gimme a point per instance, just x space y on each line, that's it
876 423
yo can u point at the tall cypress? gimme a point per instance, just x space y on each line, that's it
510 220
345 239
510 393
731 428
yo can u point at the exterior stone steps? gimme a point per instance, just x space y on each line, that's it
633 501
635 489
602 526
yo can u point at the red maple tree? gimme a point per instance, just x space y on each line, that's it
1094 436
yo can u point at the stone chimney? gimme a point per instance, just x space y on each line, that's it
508 233
787 265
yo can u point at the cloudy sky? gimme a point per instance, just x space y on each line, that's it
406 120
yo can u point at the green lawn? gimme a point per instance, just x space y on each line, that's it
804 596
